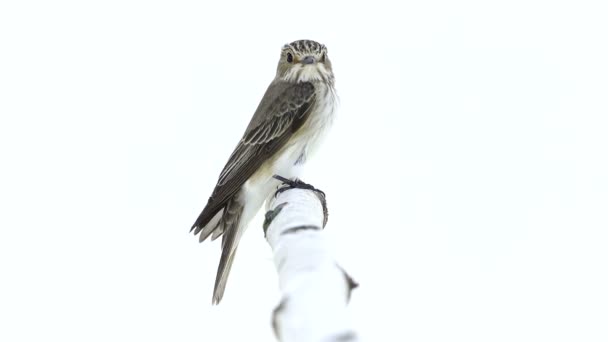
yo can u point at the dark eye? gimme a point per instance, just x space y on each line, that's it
289 57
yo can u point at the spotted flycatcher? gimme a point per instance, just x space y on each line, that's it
294 114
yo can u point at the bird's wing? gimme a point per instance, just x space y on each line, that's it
282 111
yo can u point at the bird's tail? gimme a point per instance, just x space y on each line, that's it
213 225
230 227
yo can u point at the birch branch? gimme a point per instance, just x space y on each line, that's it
315 289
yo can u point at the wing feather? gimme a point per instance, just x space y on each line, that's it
282 111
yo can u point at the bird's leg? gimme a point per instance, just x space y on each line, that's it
298 184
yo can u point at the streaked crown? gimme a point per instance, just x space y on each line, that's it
307 47
305 61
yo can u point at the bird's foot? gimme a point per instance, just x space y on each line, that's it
295 184
298 184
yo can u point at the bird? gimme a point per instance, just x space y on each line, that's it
288 126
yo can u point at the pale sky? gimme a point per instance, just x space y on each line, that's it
466 173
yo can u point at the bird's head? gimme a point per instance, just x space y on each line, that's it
304 61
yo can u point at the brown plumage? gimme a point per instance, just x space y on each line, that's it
295 108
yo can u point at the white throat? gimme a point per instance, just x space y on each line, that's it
307 73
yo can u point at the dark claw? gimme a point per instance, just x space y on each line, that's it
298 184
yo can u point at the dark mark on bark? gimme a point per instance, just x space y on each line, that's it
352 284
275 313
321 196
299 228
270 215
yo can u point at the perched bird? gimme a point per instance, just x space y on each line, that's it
286 128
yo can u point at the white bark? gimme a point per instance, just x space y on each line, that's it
315 290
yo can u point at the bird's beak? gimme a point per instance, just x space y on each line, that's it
308 60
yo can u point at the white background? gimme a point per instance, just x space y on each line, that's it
466 173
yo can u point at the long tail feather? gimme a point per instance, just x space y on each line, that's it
230 241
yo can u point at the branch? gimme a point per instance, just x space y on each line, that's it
315 290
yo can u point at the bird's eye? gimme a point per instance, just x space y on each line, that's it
289 57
